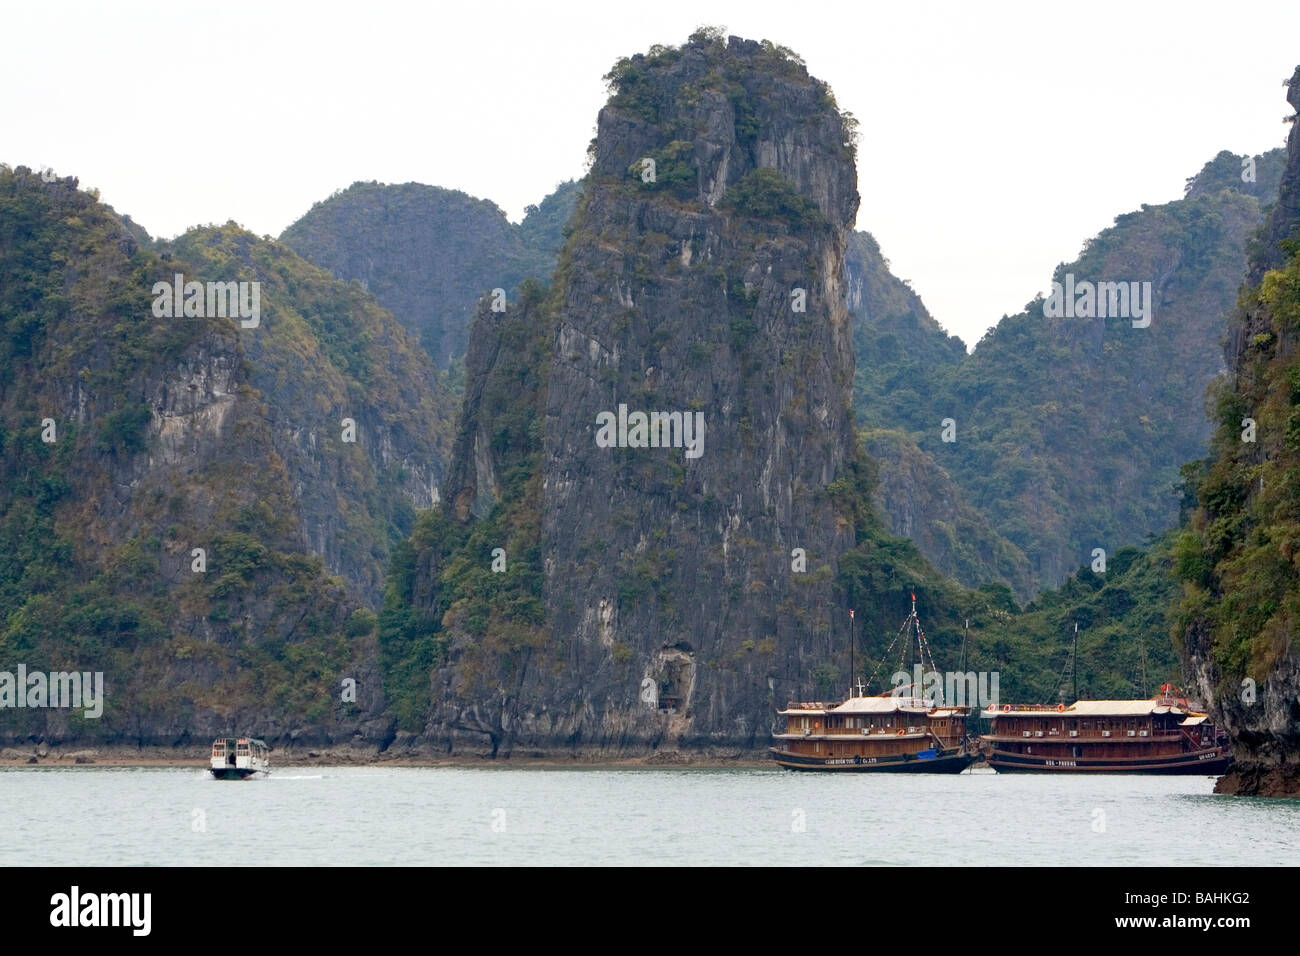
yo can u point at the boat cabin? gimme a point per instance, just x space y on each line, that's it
239 757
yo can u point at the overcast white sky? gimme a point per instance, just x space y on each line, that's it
996 137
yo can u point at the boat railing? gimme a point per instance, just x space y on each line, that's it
1181 703
812 704
1014 708
1089 735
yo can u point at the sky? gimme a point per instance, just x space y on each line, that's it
996 137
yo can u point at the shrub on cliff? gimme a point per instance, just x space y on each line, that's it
765 194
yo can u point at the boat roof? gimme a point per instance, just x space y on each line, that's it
1094 708
883 705
887 704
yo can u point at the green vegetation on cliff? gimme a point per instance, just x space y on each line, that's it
1239 554
918 500
1068 433
84 586
1125 647
443 579
903 358
325 352
172 492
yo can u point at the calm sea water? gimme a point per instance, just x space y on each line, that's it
365 816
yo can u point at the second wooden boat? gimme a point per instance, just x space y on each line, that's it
1165 734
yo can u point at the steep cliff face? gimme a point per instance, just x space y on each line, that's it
172 482
427 253
325 355
1238 554
708 286
684 554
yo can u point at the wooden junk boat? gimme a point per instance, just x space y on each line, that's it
881 733
1165 734
886 733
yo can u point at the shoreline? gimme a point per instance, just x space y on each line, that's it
167 757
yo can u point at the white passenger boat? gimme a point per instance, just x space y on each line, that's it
237 758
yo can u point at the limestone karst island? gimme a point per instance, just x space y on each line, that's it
660 470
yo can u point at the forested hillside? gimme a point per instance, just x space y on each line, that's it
181 507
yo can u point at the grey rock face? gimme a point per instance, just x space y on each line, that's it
1285 218
427 253
674 617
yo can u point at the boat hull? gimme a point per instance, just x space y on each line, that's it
234 773
948 762
1212 762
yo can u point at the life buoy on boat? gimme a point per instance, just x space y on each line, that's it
1060 708
1006 708
901 731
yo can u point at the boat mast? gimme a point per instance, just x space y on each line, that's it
1075 655
920 648
852 663
965 631
1142 646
